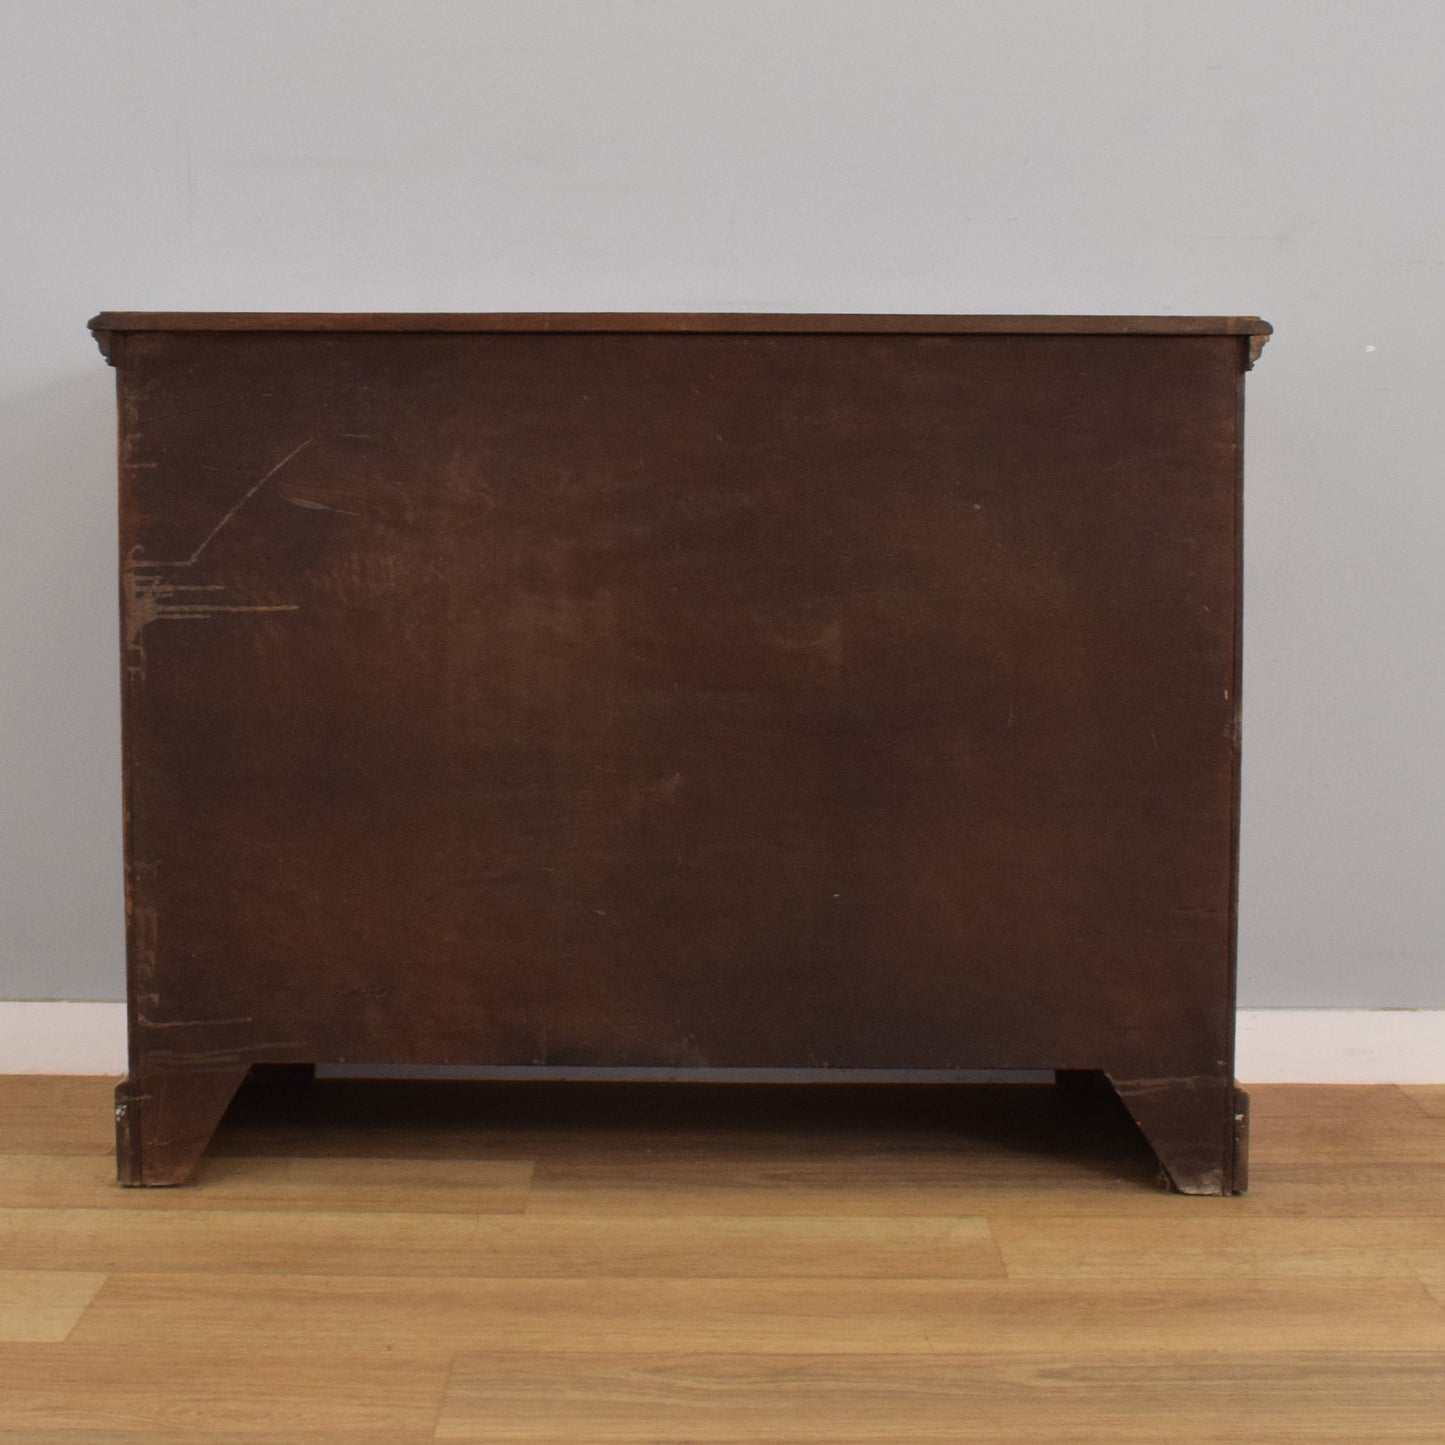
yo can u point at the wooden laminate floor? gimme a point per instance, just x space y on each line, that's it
409 1262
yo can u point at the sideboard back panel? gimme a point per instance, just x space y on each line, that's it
682 699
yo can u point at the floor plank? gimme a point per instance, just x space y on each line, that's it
1027 1126
238 1388
1429 1097
778 1316
40 1304
1331 1191
896 1399
40 1114
455 1186
499 1246
725 1264
1349 1140
951 1186
1383 1102
1210 1247
187 1435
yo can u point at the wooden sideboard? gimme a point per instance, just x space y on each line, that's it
724 691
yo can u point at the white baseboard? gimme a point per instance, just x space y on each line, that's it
1276 1046
1340 1046
50 1037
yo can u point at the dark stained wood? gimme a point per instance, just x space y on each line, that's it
282 1073
164 1118
820 692
723 321
109 323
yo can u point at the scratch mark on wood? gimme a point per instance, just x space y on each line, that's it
225 521
147 596
147 601
318 506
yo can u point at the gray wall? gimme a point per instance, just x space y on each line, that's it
1009 155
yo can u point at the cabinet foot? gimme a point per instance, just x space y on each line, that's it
164 1120
1197 1128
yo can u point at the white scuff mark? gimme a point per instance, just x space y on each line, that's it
318 506
147 602
1369 348
147 595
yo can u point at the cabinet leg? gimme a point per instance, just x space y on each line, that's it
1197 1127
164 1120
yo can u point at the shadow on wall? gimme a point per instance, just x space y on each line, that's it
61 902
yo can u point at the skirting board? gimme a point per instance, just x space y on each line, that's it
1276 1046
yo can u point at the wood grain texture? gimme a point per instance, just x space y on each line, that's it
443 1316
659 1152
1298 1103
1232 1246
896 1399
1429 1097
671 322
991 1185
199 1430
1389 1132
888 1185
47 1115
1366 1190
242 1388
1312 1310
682 692
453 1186
497 1246
185 1435
43 1304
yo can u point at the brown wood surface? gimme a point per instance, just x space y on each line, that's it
831 1317
1430 1097
897 324
682 692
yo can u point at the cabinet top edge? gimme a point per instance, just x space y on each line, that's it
108 322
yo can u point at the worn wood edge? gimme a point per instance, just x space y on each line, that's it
1173 1116
1239 1162
107 323
164 1121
